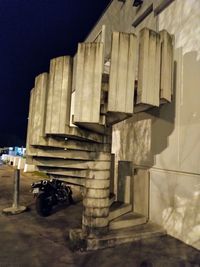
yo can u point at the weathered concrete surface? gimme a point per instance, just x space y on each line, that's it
29 240
88 82
37 112
122 73
59 95
149 68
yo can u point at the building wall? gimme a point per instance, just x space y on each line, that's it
166 140
119 17
175 188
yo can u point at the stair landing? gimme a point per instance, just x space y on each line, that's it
118 209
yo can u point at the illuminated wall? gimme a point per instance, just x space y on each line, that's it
166 140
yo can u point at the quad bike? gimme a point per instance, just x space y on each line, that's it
49 193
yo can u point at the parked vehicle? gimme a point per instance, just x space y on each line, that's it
49 193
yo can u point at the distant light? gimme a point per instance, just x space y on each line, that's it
65 138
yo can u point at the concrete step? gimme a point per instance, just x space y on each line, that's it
69 164
93 183
127 220
131 234
62 142
101 174
93 127
70 154
76 133
98 128
118 209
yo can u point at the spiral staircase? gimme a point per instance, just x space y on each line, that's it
71 113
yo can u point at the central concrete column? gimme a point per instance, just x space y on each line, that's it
96 207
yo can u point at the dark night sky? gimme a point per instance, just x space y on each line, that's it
31 33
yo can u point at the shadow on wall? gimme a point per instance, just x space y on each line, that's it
175 197
137 140
186 143
190 114
163 122
141 137
178 209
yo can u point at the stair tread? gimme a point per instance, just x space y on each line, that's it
83 145
129 216
118 208
129 219
118 205
70 164
70 154
93 127
76 173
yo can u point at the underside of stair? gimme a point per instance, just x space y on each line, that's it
70 154
90 174
57 142
70 164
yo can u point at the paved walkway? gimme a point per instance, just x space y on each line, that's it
27 240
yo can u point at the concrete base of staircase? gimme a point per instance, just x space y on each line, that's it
114 237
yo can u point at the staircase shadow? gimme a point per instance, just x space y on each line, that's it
66 205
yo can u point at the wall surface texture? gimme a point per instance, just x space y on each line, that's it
165 140
178 193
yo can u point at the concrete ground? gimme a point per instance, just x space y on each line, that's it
28 240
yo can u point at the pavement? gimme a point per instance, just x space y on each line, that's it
28 240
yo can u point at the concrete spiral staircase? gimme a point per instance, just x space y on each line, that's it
71 113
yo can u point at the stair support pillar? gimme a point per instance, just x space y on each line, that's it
96 207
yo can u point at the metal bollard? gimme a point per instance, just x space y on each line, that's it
16 208
16 188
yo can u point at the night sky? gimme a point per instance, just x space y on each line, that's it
31 33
